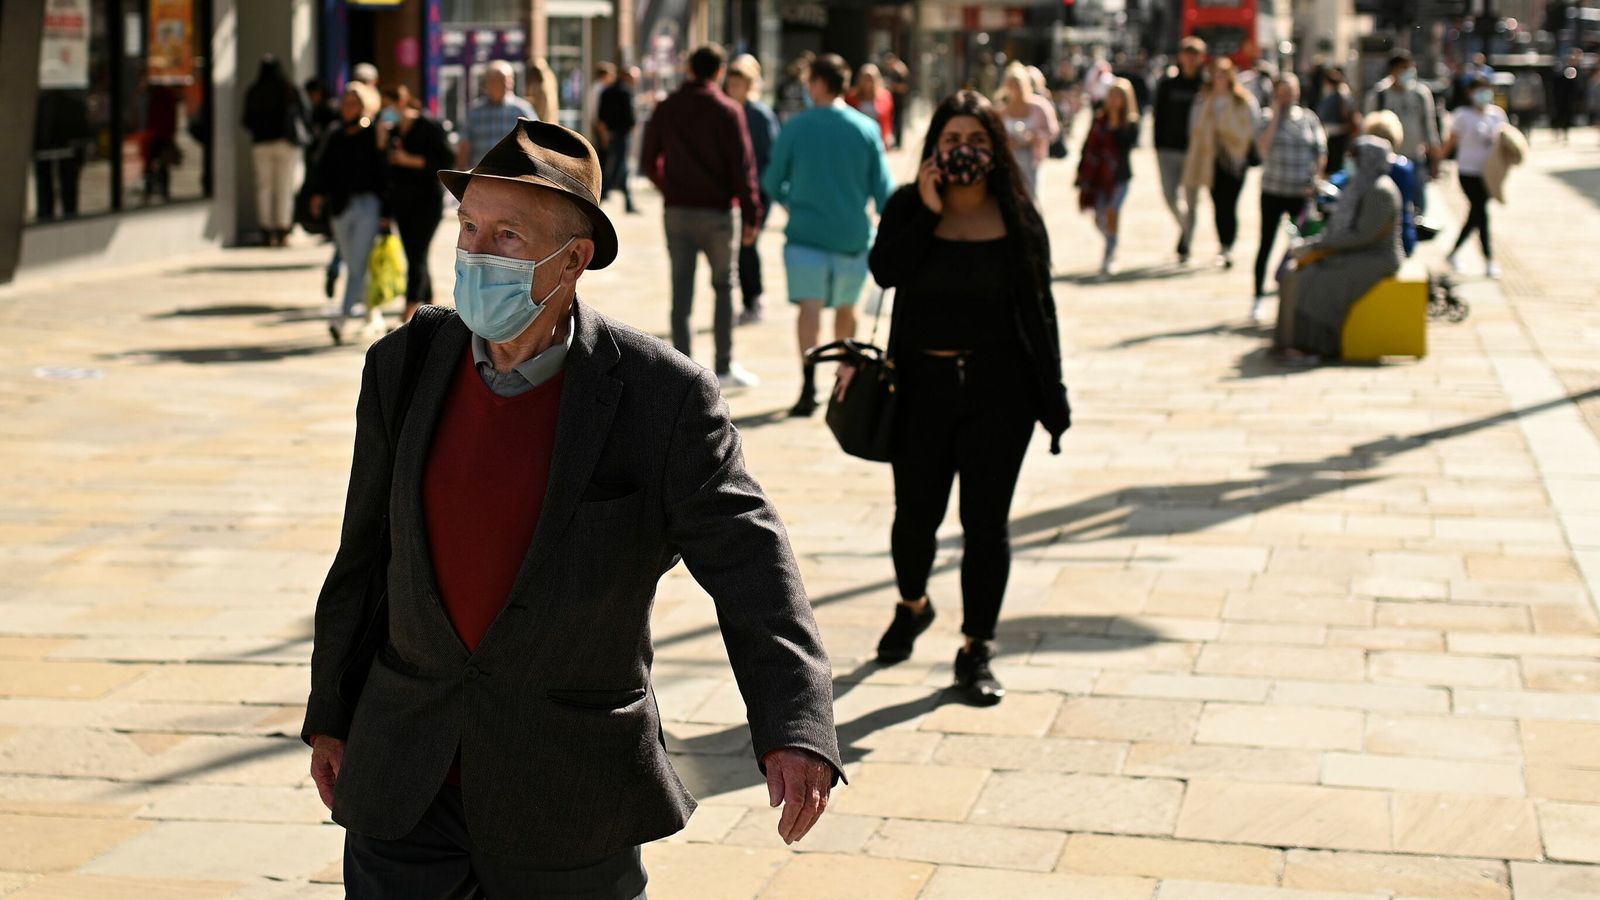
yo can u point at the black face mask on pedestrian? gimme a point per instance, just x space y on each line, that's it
965 164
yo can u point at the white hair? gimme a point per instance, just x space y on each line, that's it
366 73
502 68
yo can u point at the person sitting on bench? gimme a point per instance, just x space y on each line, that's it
1359 248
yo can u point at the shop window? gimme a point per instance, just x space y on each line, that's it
123 107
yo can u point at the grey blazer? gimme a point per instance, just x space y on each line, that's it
562 755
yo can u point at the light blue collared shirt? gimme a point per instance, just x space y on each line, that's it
528 374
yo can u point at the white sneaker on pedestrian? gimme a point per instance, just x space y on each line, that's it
1453 263
1493 271
1256 306
737 376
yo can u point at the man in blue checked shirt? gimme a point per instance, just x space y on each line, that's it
493 115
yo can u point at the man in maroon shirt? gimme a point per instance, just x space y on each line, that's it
697 151
551 465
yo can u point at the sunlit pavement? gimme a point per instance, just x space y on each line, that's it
1271 635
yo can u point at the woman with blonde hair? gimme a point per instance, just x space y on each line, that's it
1219 149
1030 122
872 99
1383 123
348 180
1104 168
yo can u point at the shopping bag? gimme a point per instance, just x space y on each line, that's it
386 271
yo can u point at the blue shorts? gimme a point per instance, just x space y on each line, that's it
834 278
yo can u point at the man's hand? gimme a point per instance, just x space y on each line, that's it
749 236
800 780
327 755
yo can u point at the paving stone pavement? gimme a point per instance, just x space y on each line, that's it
1312 635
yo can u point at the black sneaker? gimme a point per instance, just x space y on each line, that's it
895 645
804 407
975 681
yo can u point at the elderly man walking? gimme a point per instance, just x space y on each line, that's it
523 475
493 114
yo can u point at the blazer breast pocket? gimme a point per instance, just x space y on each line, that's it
600 504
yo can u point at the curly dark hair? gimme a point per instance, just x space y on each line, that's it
1005 181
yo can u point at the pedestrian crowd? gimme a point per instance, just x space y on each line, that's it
959 257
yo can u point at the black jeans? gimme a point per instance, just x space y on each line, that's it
1225 188
614 174
974 416
1477 213
437 861
750 283
1273 208
47 175
416 222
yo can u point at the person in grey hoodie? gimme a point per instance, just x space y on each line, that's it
1404 95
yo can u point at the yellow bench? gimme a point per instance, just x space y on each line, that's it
1391 319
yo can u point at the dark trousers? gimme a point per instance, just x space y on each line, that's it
750 283
416 224
1337 145
1273 208
1477 213
973 416
48 175
691 232
614 174
437 861
1225 188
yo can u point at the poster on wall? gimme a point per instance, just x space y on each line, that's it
64 46
171 58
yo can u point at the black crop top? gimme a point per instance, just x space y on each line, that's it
960 297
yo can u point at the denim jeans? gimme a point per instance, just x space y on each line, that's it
691 232
354 230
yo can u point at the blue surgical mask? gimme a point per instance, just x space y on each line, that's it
1408 79
494 294
389 116
1482 96
1349 168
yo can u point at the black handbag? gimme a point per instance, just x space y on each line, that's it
862 416
374 633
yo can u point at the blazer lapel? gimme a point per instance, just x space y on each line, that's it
588 403
408 520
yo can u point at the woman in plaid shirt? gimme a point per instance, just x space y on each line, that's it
1293 149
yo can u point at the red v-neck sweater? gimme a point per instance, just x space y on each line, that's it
483 491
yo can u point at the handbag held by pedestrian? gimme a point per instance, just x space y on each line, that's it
861 413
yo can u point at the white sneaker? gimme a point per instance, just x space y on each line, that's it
1256 306
737 376
1493 271
1453 263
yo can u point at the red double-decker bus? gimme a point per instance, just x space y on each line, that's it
1227 26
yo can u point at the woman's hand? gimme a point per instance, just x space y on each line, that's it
847 373
929 180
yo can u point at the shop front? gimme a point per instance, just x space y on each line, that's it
126 136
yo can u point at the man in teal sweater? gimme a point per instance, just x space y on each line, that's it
828 162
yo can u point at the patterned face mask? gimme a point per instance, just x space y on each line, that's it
965 164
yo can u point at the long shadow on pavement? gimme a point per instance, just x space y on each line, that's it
1171 509
709 767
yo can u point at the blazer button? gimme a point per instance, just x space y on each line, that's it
471 673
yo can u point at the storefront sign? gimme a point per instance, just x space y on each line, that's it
64 47
171 42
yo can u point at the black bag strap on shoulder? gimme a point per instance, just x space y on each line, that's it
374 633
424 324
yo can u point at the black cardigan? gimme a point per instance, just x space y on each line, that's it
905 235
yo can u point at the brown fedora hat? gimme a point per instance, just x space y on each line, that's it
547 155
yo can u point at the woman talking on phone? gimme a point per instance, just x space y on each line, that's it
978 362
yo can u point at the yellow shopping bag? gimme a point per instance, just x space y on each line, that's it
386 271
